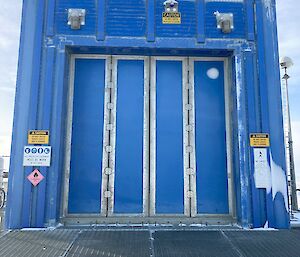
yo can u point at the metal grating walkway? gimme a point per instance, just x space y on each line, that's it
111 243
150 242
36 243
192 244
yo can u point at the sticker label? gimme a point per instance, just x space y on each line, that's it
38 137
259 140
261 168
171 18
35 177
37 156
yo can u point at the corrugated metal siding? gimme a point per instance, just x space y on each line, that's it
187 28
62 16
225 7
126 18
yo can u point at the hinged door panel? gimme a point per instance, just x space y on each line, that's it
130 145
87 136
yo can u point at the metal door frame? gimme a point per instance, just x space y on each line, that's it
149 140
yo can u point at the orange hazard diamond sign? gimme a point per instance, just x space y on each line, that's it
35 177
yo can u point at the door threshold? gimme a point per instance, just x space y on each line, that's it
199 221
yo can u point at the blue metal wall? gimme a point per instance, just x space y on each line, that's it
131 22
134 27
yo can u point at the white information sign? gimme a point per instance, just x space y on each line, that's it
37 156
261 167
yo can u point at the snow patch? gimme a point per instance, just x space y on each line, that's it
239 81
297 216
198 225
279 182
295 220
264 229
34 229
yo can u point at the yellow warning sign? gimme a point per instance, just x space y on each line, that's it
259 140
171 18
38 137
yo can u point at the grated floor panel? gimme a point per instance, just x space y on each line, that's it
150 243
36 243
266 243
192 244
111 243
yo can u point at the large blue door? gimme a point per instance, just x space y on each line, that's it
87 137
163 130
210 131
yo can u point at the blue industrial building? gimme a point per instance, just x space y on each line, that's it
149 107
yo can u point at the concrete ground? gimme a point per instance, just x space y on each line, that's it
150 242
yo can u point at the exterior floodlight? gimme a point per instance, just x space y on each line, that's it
76 18
286 62
224 22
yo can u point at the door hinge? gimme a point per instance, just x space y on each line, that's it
107 194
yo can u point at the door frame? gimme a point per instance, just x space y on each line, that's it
149 140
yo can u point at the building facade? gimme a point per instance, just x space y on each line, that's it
156 112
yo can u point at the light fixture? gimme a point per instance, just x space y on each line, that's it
286 62
76 18
224 22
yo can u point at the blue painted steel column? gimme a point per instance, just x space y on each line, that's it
259 213
242 142
29 217
55 172
50 18
272 121
45 105
278 160
18 209
200 21
100 28
250 20
33 120
264 100
151 20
